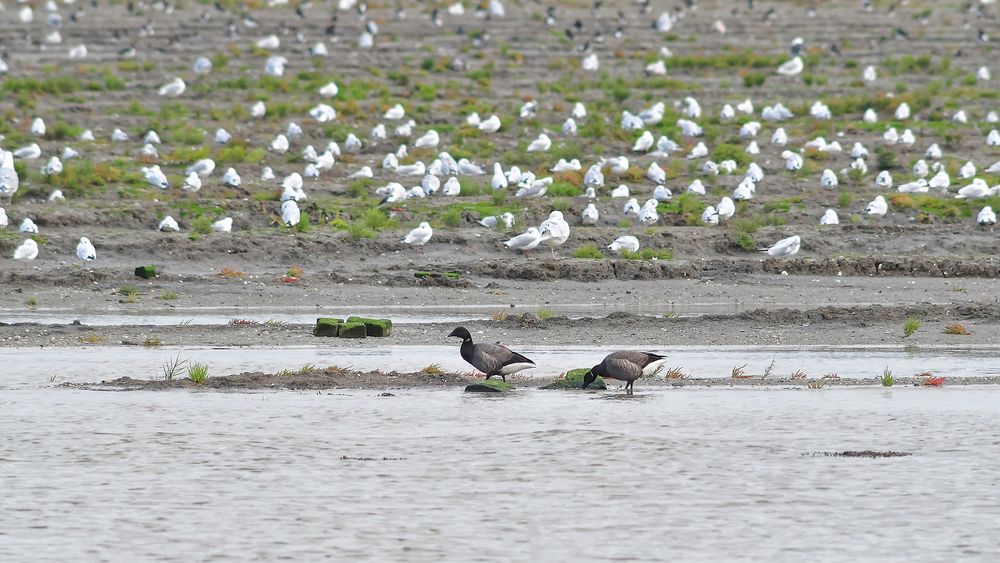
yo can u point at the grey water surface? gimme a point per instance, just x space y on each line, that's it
431 475
38 367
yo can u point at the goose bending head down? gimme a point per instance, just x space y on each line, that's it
491 359
625 365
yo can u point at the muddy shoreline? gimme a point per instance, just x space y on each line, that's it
334 378
822 326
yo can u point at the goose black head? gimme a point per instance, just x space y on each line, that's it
590 377
461 332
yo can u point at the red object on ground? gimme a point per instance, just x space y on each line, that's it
289 279
934 381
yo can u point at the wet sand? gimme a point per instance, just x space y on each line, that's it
341 378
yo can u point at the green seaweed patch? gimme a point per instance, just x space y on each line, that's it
424 275
490 386
574 380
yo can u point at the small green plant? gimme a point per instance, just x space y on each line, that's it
303 225
545 314
588 251
152 342
452 217
885 158
745 241
197 372
886 378
172 367
202 225
32 301
306 369
168 295
131 293
910 326
647 254
754 79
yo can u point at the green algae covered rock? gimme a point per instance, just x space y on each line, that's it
574 380
145 272
374 327
327 327
353 330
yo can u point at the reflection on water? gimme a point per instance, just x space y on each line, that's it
687 474
34 367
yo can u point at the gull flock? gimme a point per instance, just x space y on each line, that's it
653 153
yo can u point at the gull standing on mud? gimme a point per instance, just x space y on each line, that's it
8 176
525 241
419 236
627 366
555 231
85 250
491 359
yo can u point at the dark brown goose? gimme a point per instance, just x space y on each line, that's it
491 359
626 365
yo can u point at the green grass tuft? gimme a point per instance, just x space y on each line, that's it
886 378
648 254
588 251
197 372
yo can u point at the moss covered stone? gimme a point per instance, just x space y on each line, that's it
327 327
145 272
574 380
353 330
374 327
489 386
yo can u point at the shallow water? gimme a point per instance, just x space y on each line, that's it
410 314
685 474
23 368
